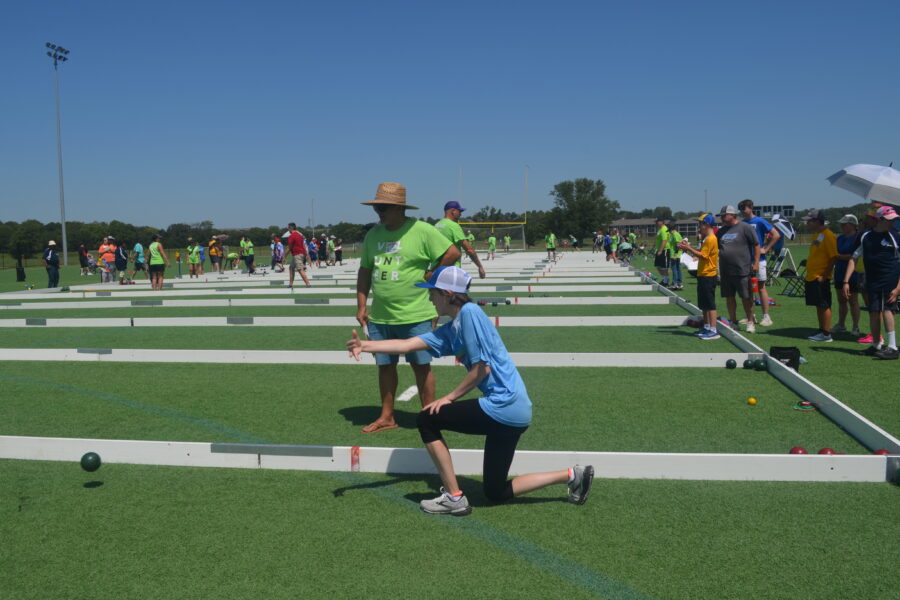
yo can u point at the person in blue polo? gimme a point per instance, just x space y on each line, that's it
502 414
51 262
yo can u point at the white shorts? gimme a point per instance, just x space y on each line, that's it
761 274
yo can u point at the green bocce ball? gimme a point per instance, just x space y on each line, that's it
748 364
730 363
90 462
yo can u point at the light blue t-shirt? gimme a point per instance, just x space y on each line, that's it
472 338
138 252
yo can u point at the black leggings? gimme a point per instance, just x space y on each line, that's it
466 416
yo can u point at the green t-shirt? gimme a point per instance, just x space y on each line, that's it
472 239
507 240
155 255
453 232
194 254
550 238
247 247
662 238
331 245
632 238
398 259
492 243
674 238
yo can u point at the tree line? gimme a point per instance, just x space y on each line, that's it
579 207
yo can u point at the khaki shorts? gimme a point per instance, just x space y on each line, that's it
298 263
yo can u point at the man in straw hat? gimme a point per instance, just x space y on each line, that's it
397 253
51 262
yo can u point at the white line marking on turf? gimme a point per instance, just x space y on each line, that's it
408 394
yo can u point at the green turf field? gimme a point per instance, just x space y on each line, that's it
165 532
606 409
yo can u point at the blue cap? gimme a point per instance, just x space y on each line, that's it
452 279
708 219
453 204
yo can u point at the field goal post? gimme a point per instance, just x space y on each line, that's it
483 229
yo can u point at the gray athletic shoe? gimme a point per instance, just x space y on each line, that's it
445 505
581 485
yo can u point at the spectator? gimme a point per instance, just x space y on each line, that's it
396 254
122 261
819 268
768 236
158 263
297 245
193 252
449 226
330 250
661 247
675 253
323 250
107 254
507 240
880 247
846 244
707 275
140 265
83 260
339 251
550 240
738 254
216 254
492 247
247 254
313 251
51 262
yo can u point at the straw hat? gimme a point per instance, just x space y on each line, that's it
390 193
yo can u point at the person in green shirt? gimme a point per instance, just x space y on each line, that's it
675 257
550 240
449 226
247 253
158 263
661 248
193 250
331 259
492 247
397 253
507 240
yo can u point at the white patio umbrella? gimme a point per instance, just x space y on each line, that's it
875 183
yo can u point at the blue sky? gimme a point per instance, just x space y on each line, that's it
243 113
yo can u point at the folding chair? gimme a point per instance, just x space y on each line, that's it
774 272
794 281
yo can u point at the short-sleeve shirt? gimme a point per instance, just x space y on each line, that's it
247 247
674 239
296 243
881 256
821 251
551 240
194 254
506 240
398 259
214 248
762 228
52 257
138 250
492 243
472 338
708 264
845 245
662 238
736 249
107 252
453 232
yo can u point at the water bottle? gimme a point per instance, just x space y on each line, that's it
754 284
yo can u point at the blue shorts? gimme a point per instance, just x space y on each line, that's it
380 331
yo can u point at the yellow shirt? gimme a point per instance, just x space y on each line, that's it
708 265
822 253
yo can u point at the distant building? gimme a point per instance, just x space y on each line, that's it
766 211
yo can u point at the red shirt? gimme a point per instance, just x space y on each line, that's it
296 243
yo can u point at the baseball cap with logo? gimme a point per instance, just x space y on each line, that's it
453 204
452 279
707 218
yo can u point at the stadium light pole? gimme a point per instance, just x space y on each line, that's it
59 54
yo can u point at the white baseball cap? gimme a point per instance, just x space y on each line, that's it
452 279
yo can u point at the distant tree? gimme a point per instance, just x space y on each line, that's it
662 212
583 206
27 240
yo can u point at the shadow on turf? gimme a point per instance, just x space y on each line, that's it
93 484
473 488
363 415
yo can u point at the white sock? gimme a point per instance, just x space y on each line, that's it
892 339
